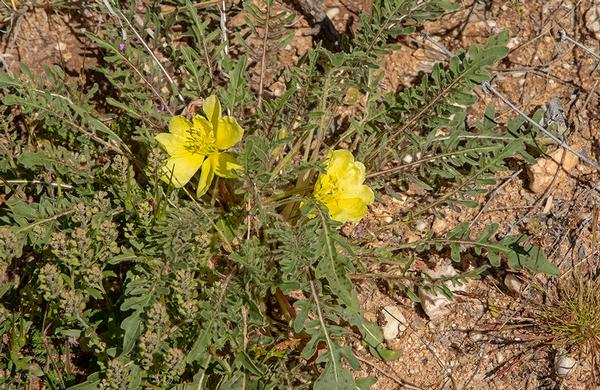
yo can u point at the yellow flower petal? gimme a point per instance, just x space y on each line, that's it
225 164
173 144
362 192
341 187
181 169
346 210
206 176
202 125
228 133
180 126
212 110
338 160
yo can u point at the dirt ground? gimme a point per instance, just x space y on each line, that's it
475 345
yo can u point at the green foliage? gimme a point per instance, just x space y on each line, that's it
571 318
390 19
113 279
512 248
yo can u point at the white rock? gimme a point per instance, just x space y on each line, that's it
513 284
333 12
542 173
513 42
394 322
564 365
421 226
435 303
60 46
439 226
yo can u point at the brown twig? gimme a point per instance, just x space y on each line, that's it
395 377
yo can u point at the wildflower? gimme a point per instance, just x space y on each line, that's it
341 187
123 40
198 144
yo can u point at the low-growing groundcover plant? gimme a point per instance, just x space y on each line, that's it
116 274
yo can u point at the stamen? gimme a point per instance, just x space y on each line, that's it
201 141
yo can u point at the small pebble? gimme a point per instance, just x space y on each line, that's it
564 365
513 284
513 42
421 226
542 173
439 226
333 12
434 303
394 322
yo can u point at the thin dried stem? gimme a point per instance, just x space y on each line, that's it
487 87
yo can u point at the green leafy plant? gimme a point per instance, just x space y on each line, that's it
112 278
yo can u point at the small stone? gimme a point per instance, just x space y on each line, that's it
407 159
563 365
333 12
410 237
60 46
439 226
388 219
394 322
542 173
513 284
476 337
435 304
421 226
513 42
499 357
548 205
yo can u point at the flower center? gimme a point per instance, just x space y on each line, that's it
201 141
326 189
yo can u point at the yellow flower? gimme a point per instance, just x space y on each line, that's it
341 187
198 144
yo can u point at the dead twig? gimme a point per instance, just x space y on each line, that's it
395 377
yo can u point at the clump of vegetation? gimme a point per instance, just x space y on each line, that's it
572 318
116 274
